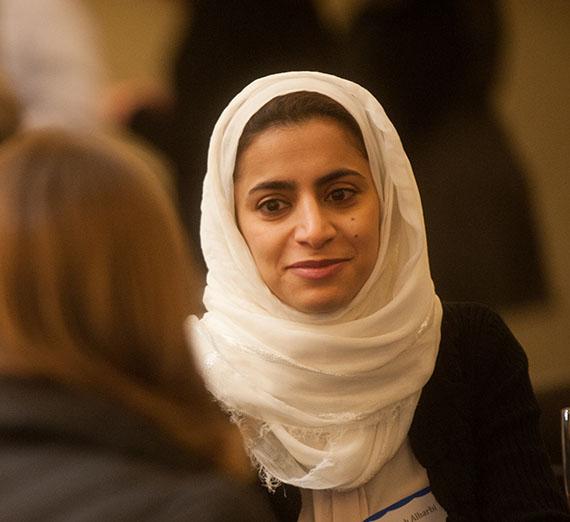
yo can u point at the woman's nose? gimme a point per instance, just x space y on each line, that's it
313 227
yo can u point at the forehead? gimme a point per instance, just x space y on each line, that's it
314 137
310 156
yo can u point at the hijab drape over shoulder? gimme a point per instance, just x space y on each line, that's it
322 400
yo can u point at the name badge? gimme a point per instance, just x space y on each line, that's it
421 506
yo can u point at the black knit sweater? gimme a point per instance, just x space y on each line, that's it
476 429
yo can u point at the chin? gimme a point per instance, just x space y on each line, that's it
318 305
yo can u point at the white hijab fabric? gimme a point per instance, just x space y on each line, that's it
322 400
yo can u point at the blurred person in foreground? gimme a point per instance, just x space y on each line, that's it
10 109
102 415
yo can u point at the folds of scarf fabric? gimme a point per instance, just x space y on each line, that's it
323 400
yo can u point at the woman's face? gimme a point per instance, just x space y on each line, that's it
308 209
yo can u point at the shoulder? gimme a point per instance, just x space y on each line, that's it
213 498
154 493
92 485
80 457
480 370
479 358
460 319
477 338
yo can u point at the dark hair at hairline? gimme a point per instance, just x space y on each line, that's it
295 108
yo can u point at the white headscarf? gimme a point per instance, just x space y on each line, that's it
322 400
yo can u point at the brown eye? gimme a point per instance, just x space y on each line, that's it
272 206
341 194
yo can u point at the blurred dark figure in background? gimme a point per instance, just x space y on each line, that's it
433 66
102 415
227 44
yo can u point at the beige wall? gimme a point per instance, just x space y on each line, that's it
533 99
137 36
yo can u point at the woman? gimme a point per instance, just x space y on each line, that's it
324 337
102 416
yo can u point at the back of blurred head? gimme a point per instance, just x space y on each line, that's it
10 108
96 282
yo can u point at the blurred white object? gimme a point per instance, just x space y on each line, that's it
49 51
565 423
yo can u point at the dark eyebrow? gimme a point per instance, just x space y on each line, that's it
272 185
336 174
289 185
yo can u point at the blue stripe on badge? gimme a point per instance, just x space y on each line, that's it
397 505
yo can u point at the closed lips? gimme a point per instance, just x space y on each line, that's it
316 264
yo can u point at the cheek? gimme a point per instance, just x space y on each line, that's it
365 235
263 244
257 248
366 223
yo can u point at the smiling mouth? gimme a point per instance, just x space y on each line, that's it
317 269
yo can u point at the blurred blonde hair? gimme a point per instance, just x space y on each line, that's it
96 282
10 109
